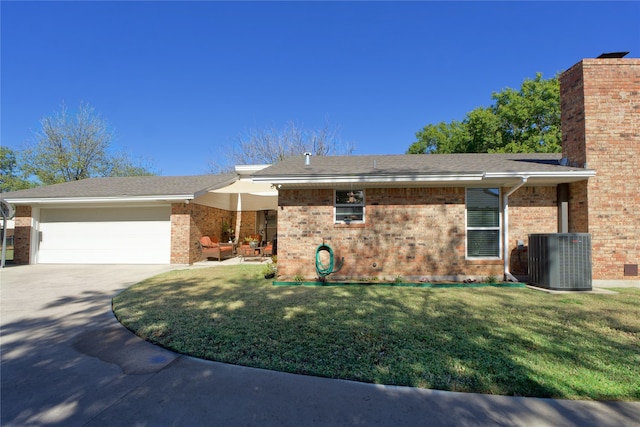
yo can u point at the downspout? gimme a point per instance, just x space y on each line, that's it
505 244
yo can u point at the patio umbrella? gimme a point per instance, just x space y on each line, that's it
250 196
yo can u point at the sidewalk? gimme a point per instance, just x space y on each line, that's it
67 361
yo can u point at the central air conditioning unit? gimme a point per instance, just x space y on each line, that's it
560 261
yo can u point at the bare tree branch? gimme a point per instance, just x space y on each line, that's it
271 145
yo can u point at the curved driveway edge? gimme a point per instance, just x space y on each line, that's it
67 361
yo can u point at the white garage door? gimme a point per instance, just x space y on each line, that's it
105 236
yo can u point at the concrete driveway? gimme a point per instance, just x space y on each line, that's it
67 361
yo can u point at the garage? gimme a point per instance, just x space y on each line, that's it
122 220
104 235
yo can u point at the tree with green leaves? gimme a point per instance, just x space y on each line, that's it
11 176
73 148
519 121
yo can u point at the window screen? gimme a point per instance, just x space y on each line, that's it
483 223
349 206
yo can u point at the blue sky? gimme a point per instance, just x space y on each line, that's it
180 81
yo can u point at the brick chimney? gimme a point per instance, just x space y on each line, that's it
600 115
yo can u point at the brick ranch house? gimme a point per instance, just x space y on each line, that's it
462 215
442 216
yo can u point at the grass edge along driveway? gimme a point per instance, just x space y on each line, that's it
485 340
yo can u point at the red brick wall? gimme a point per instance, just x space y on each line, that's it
22 235
189 222
247 225
182 245
601 126
578 207
411 233
572 115
304 220
531 210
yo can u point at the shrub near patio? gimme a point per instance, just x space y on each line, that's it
485 340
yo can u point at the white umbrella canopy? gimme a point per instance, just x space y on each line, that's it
251 196
243 186
243 194
254 202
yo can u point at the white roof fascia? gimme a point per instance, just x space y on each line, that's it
71 200
249 169
581 173
325 179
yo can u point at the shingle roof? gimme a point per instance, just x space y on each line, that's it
415 164
422 169
135 186
382 167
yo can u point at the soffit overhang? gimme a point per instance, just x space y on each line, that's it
499 179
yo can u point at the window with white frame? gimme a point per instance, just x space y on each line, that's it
349 206
483 223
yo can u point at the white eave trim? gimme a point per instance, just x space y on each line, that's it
443 178
580 173
245 170
115 199
328 179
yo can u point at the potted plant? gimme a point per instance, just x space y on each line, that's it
270 269
227 230
251 241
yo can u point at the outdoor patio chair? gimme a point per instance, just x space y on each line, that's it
268 250
212 248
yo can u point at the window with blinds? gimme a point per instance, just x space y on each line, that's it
483 223
349 206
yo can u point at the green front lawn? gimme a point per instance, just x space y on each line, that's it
486 340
